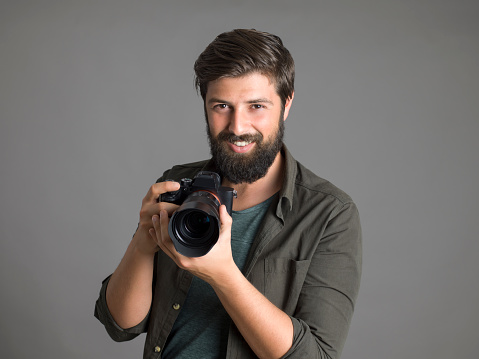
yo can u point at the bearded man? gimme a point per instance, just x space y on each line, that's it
283 277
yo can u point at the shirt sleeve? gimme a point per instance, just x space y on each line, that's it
103 314
326 303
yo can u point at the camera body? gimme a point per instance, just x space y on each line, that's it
194 227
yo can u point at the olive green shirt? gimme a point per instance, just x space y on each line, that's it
306 259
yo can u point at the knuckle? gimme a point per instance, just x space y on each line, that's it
155 190
162 206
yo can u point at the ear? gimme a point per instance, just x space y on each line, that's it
287 105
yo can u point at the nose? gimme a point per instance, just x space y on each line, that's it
239 123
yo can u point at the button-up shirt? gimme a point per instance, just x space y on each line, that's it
306 259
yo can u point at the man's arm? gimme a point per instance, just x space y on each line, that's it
266 329
129 291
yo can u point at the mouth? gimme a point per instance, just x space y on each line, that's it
241 146
241 143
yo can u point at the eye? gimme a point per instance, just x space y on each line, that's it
257 106
220 106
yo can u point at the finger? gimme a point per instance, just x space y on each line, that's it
153 232
161 187
170 208
150 209
163 225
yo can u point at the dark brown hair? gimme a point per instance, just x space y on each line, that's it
241 52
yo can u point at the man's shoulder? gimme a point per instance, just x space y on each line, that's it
306 180
186 170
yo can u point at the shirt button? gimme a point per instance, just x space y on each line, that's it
176 306
157 349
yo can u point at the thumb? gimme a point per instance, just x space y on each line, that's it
225 219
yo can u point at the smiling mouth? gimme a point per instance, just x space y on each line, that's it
241 143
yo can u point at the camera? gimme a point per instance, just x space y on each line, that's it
194 227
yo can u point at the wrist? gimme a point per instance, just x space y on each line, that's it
230 279
144 247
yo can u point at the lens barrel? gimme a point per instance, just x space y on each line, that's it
194 227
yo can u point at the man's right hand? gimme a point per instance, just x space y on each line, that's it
150 206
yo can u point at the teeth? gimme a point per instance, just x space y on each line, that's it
242 143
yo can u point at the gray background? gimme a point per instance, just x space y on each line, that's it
97 99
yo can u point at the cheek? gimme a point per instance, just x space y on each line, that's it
267 126
216 123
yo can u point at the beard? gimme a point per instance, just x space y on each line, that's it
245 167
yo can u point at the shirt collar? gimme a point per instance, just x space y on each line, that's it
287 191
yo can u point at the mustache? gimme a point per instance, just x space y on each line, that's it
231 137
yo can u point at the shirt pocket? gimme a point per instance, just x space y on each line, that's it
284 279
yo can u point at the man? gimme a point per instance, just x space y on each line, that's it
282 280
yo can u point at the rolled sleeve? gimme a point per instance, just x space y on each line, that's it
102 313
326 304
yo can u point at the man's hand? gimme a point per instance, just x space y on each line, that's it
151 206
213 266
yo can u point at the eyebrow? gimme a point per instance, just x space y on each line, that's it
257 100
260 100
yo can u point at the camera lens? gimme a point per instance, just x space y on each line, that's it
197 223
194 227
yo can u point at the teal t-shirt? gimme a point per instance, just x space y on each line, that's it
201 329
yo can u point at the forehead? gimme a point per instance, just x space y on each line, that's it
243 87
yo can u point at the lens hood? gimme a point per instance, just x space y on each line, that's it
194 227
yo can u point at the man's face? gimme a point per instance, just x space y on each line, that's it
245 120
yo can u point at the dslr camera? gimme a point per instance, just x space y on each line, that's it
194 227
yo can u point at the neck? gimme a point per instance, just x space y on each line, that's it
251 194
